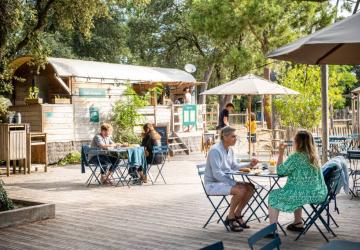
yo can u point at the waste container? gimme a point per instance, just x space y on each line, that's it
13 145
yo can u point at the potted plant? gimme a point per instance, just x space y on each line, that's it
57 99
33 97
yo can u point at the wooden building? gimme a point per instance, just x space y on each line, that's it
77 96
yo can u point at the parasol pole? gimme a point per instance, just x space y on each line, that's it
249 122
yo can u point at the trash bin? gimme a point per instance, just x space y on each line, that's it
13 145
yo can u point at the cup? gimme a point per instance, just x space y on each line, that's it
272 169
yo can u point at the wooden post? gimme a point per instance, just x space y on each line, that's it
325 112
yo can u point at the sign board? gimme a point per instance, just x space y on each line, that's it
189 115
94 114
92 92
162 130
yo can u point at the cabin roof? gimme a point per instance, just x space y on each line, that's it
112 71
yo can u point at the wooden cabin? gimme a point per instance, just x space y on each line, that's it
77 96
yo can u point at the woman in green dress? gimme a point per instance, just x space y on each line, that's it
305 183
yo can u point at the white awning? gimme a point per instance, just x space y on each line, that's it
111 72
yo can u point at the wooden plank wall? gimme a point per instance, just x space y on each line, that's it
31 114
83 128
58 122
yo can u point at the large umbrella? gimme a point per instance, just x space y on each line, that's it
250 85
336 44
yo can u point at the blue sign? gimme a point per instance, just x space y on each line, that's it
189 115
85 92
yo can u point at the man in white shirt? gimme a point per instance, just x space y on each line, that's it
218 181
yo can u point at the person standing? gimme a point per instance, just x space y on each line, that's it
218 180
224 116
187 96
252 134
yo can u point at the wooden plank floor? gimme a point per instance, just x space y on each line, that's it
141 217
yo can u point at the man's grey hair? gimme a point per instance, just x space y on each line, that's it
226 131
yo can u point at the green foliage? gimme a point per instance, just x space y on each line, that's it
4 109
33 92
5 201
30 28
304 110
72 158
125 116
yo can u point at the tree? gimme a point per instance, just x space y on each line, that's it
125 116
22 25
304 110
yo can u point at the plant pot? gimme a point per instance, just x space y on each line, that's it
33 101
60 100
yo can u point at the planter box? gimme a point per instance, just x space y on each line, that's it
33 101
60 101
28 212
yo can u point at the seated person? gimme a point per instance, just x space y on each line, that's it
104 141
305 183
150 139
217 182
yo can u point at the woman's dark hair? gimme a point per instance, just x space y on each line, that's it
230 105
154 134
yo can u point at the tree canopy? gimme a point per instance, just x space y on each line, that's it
224 39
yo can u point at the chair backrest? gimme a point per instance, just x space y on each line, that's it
85 149
216 246
201 173
274 243
332 181
353 154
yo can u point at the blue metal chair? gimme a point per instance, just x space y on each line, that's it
354 157
95 167
216 205
160 154
274 243
332 183
216 246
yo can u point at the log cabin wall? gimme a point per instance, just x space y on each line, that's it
83 128
31 114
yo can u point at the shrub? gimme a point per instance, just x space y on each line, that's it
72 158
4 111
126 117
5 202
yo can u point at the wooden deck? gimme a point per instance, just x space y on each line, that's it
141 217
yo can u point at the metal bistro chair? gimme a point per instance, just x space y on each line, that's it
95 167
216 205
160 154
216 246
332 183
354 157
274 243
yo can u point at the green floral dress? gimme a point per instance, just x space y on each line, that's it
305 184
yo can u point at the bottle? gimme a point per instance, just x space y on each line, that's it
17 118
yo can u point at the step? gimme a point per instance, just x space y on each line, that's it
173 138
176 143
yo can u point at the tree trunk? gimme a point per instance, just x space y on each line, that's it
207 75
223 100
267 102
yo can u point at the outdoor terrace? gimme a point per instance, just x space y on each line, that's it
141 217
